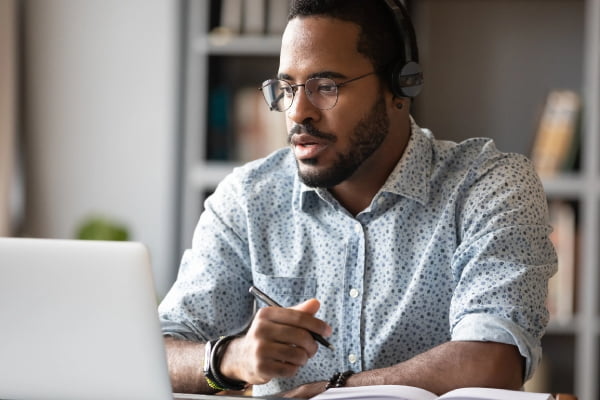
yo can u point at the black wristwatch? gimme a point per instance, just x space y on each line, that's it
213 353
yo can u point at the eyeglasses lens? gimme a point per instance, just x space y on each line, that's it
322 92
279 94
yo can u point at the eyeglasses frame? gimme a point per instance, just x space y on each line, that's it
295 87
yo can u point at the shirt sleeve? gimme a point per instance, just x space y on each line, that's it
504 259
210 295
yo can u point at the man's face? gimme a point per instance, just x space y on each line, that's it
330 145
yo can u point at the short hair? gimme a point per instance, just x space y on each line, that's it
378 38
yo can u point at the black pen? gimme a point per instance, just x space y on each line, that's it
267 300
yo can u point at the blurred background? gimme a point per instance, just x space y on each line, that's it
119 117
90 113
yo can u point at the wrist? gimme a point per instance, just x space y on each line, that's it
214 354
339 379
230 363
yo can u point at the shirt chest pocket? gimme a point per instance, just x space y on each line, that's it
287 291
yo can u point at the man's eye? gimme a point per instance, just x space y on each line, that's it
327 88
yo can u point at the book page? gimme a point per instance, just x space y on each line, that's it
400 392
493 394
377 392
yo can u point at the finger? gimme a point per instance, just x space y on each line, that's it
294 318
267 328
315 325
285 353
272 360
310 306
267 369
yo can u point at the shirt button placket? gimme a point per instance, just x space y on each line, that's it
354 299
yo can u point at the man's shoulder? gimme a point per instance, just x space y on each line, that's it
279 161
276 170
475 153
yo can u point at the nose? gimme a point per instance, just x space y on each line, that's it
302 109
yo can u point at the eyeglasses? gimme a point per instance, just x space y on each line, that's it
322 92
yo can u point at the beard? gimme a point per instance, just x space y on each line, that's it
367 136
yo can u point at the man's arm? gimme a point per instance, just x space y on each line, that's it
185 360
277 344
448 366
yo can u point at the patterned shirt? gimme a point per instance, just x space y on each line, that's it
453 247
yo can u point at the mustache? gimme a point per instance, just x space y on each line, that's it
311 130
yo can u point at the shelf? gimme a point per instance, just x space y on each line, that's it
221 44
209 174
570 327
558 45
565 185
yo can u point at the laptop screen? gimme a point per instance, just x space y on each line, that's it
79 321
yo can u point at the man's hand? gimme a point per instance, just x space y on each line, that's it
277 344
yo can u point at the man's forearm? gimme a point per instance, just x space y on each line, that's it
453 365
185 360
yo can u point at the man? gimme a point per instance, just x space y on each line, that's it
429 259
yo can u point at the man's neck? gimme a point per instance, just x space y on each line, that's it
356 193
353 199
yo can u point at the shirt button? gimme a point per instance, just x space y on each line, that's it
352 358
353 292
358 228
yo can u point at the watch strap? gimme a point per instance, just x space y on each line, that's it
214 351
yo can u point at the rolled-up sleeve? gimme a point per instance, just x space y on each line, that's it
504 261
210 296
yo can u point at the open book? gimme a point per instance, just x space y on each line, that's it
399 392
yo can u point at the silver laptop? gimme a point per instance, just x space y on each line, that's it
78 321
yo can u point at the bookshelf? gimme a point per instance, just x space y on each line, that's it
486 75
213 59
515 53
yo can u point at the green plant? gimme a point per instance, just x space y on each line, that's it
101 228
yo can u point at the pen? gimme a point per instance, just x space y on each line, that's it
267 300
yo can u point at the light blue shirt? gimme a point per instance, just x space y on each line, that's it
453 247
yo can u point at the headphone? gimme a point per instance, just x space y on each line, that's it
406 78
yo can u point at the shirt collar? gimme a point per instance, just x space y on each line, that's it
409 178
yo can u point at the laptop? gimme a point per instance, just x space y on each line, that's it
79 321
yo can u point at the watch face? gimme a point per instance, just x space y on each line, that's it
207 350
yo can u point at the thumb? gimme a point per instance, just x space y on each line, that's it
310 306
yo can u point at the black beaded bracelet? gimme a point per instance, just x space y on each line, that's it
339 379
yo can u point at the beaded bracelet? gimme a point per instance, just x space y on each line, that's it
339 379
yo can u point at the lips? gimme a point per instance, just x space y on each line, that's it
307 146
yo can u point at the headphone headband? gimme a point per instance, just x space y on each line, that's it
406 73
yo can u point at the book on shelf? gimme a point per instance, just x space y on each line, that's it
253 17
258 131
231 16
218 139
400 392
556 143
277 13
561 287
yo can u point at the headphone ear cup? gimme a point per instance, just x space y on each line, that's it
407 79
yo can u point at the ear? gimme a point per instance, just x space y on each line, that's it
401 104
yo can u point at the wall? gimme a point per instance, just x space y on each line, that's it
99 100
489 65
8 108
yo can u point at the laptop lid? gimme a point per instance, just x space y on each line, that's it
79 321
